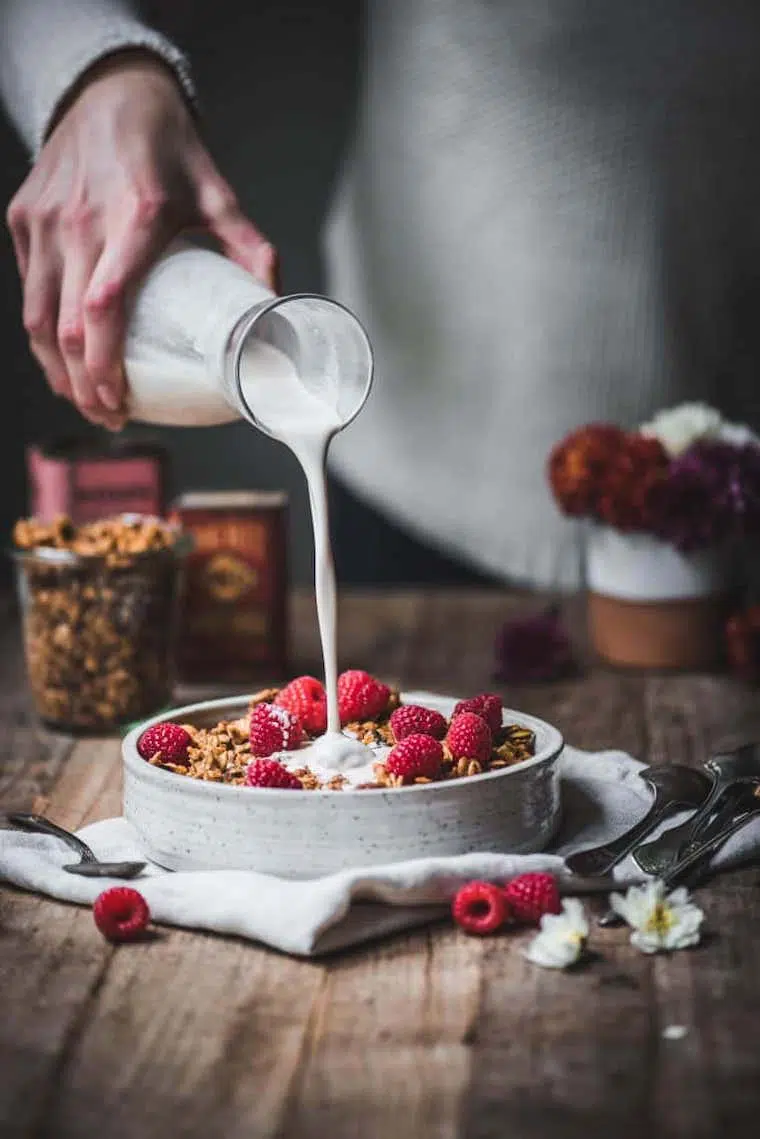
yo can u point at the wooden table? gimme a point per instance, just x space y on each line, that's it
429 1035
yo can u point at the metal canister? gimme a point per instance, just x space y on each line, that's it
234 616
88 480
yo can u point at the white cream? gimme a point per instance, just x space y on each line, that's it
321 760
289 412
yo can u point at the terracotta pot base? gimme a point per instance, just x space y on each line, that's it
680 634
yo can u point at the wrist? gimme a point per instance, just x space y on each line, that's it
128 61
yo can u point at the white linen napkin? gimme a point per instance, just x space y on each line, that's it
601 797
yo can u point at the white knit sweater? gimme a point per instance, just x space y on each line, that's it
549 217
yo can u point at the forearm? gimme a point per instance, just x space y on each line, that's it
46 46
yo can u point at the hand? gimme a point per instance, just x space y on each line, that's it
122 173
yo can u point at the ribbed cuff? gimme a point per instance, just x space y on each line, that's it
46 49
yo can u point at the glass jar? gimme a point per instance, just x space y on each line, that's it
99 633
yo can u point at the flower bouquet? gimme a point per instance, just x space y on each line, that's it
668 506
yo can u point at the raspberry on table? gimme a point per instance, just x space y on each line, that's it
469 737
171 740
121 913
411 719
361 696
480 908
273 729
415 757
270 773
487 705
305 697
530 896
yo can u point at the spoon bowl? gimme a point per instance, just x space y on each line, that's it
105 869
89 866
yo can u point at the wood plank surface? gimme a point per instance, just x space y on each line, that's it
429 1035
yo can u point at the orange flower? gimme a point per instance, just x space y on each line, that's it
625 491
579 464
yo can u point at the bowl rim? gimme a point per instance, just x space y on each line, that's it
135 763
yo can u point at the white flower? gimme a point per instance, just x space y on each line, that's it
562 938
679 427
659 921
737 434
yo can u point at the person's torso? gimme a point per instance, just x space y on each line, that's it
549 217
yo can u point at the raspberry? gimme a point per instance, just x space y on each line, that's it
270 773
530 896
305 698
170 739
360 696
411 719
469 737
274 729
480 907
416 757
486 705
121 913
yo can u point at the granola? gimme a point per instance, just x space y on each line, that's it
97 624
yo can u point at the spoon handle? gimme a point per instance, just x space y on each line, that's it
697 855
39 825
601 859
659 856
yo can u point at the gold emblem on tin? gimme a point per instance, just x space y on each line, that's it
228 578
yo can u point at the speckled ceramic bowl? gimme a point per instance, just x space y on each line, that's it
187 824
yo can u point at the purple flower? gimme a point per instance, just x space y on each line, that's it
711 495
532 649
685 509
743 489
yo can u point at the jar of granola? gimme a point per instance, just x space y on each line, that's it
99 605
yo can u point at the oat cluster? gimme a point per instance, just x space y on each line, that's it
97 628
116 540
220 754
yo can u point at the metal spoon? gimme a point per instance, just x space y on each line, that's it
732 802
89 867
741 804
675 788
731 770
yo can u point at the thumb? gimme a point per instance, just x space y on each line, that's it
241 240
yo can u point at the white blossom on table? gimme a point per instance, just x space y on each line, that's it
660 922
562 937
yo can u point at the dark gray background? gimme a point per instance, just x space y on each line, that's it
277 81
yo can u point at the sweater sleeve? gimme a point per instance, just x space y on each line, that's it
47 45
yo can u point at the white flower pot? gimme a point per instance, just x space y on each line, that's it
636 567
651 606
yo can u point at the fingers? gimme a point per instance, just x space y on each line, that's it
104 321
56 263
126 255
80 254
40 313
79 259
220 212
104 340
97 275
